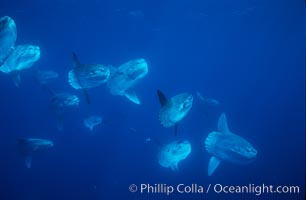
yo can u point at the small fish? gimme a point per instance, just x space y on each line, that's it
208 101
46 76
62 103
170 155
132 130
92 121
21 58
28 146
124 78
173 110
223 145
136 13
8 36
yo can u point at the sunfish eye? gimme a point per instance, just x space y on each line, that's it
179 146
186 104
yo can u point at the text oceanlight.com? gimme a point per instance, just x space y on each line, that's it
146 188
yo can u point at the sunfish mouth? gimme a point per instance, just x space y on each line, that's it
136 74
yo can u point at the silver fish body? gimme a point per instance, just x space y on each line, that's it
88 76
224 145
64 102
171 154
46 76
28 146
8 36
21 58
92 121
230 147
124 78
175 109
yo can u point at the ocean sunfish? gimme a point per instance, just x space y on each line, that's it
61 103
208 101
86 76
46 76
28 146
8 36
173 110
171 154
21 58
223 145
124 78
92 121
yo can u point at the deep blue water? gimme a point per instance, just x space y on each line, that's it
249 55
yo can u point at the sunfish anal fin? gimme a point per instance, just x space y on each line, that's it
28 161
75 60
16 78
132 97
222 124
85 92
50 91
162 98
174 167
213 164
60 123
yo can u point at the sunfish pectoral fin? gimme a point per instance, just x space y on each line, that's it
85 92
174 167
132 97
213 164
222 124
16 78
162 98
75 60
28 161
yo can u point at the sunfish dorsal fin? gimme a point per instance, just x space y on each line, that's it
132 97
75 60
213 164
222 124
50 91
162 98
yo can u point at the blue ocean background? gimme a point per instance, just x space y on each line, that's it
249 55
